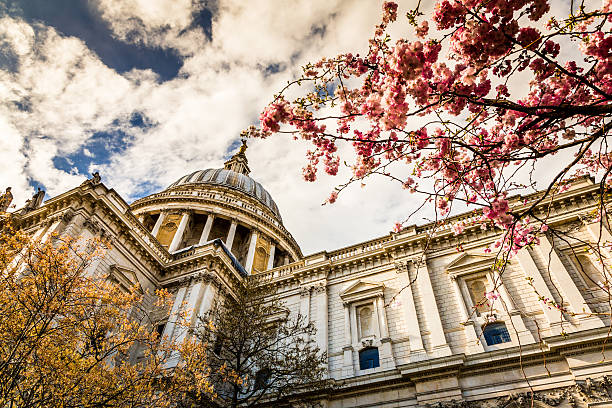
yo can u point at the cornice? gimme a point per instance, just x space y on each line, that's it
413 238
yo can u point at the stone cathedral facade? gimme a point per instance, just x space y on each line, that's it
402 325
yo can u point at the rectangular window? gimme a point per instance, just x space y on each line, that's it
496 333
368 358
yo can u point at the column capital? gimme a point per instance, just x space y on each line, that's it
320 288
401 266
417 260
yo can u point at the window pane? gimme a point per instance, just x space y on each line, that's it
368 358
496 333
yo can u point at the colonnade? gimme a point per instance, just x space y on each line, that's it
205 237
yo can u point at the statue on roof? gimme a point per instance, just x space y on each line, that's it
95 179
34 202
5 200
238 162
243 147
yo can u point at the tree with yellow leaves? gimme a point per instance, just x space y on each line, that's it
249 351
71 338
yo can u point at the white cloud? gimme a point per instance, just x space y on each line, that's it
222 88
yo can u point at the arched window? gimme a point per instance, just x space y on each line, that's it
496 333
368 358
589 273
365 320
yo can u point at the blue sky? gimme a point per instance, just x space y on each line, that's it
145 91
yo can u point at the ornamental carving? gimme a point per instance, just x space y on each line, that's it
320 288
584 393
97 229
401 266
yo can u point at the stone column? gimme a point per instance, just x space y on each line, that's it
207 299
554 317
251 253
207 227
286 260
347 363
271 257
229 241
518 324
174 313
474 345
417 350
193 302
568 287
178 235
320 295
438 340
386 351
305 306
180 332
158 223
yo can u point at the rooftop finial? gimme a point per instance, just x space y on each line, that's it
239 162
243 147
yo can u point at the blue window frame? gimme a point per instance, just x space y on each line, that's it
368 358
496 333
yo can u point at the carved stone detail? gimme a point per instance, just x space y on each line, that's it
305 291
319 288
401 266
585 392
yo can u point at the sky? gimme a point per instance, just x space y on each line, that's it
146 91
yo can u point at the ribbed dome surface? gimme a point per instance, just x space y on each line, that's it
231 179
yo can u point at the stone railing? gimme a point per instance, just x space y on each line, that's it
468 218
359 249
281 271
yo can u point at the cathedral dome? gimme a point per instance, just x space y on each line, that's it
231 179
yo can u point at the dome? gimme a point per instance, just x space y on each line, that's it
231 179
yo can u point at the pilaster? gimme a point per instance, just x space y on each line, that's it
438 340
417 350
555 318
568 287
347 363
305 306
320 295
474 345
386 352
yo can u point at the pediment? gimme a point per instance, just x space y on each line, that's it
362 290
126 278
468 263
